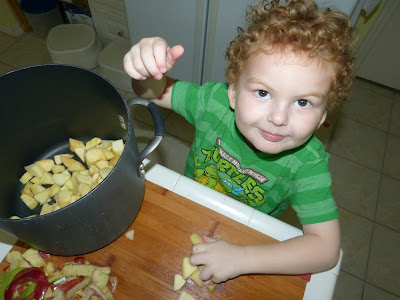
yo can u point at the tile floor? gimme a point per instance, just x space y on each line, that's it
363 139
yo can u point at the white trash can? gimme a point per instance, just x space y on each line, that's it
74 44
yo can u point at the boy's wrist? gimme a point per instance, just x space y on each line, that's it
150 88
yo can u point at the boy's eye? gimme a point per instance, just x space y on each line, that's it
263 94
302 103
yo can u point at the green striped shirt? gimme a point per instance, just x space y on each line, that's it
220 159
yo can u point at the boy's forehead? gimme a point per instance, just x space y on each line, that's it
287 55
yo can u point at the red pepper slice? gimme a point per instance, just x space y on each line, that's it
35 275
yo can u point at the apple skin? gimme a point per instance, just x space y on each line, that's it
35 275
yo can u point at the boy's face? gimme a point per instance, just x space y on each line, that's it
280 100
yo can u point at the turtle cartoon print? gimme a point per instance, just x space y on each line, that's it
217 169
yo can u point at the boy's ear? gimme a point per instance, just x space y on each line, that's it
323 118
231 96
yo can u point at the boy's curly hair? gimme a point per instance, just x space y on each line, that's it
297 26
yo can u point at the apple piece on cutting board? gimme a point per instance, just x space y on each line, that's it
179 282
196 277
187 268
195 239
186 296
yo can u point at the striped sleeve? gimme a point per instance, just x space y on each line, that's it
311 195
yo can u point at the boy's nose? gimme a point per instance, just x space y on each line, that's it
278 115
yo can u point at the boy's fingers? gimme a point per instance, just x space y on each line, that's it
208 239
173 55
130 70
160 49
205 274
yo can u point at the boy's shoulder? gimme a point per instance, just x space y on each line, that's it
311 151
212 88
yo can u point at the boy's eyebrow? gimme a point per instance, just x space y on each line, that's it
314 93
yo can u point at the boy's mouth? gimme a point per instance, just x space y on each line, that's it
271 136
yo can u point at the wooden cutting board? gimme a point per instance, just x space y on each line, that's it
145 267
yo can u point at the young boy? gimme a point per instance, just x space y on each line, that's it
255 138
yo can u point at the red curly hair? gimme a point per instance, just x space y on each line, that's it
299 26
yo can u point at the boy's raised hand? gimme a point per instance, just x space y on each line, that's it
221 260
151 57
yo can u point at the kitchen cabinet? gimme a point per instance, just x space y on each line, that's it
203 27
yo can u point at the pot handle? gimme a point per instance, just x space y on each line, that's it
159 129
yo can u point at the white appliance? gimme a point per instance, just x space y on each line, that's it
203 27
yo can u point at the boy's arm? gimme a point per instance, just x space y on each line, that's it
317 250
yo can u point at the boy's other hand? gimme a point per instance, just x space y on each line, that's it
151 57
221 260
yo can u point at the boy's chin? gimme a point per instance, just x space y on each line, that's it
260 148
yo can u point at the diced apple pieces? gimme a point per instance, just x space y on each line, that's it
80 152
67 179
108 154
187 268
179 282
118 147
92 143
68 162
102 164
93 170
94 155
54 189
35 170
27 188
13 256
35 180
60 179
29 201
84 188
81 178
185 296
25 178
37 188
104 172
47 208
33 257
74 144
196 277
43 196
69 184
46 164
47 179
211 287
63 198
76 167
107 144
130 234
58 169
100 278
195 239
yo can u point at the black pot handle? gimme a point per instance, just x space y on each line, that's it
159 129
